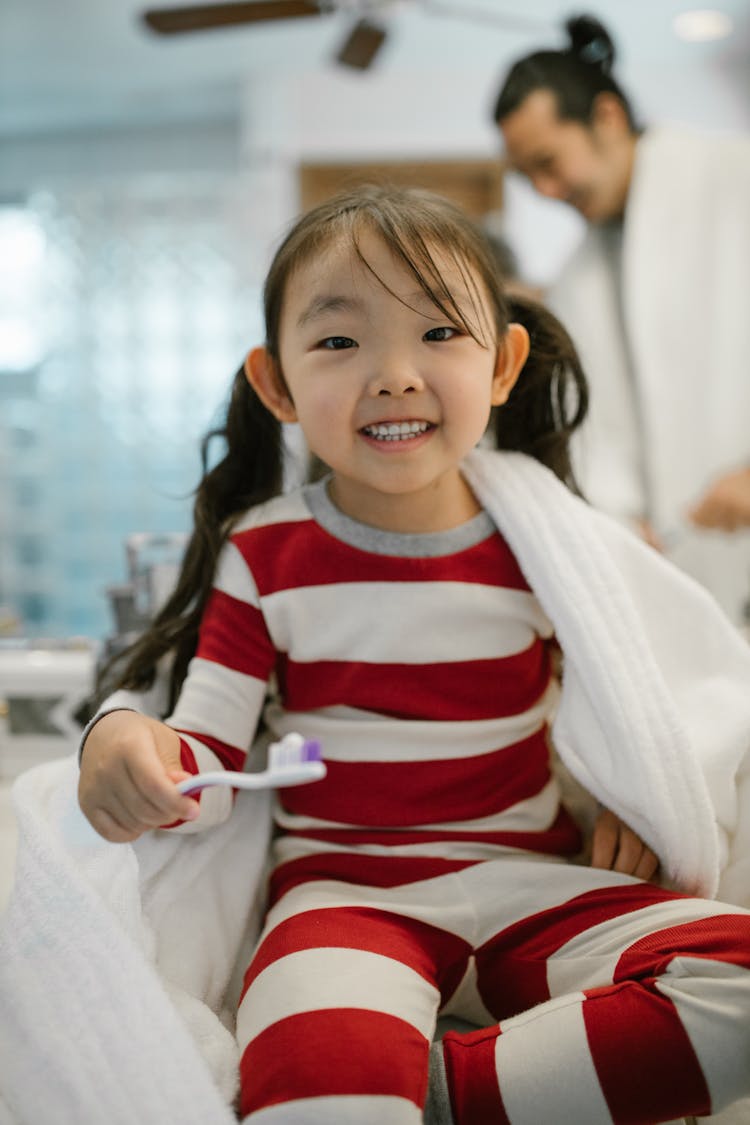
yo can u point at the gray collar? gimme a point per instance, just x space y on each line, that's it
394 543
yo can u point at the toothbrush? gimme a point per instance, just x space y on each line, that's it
292 761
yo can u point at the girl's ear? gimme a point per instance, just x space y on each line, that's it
512 355
263 375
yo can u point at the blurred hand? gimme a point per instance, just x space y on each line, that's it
129 768
726 504
648 533
615 847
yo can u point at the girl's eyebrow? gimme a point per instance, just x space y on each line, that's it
327 303
330 302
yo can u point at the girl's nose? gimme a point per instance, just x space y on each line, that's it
395 380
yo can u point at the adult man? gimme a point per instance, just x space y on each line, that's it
656 298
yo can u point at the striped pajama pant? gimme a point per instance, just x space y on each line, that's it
601 998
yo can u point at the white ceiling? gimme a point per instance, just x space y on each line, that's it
76 64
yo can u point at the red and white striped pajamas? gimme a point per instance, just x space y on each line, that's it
616 1000
430 870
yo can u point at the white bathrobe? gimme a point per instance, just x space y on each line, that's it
666 346
115 959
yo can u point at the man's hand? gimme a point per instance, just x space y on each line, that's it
649 535
615 847
726 504
129 769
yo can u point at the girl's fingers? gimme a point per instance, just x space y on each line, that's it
604 844
628 852
110 827
648 865
126 816
137 795
616 847
153 797
124 786
635 858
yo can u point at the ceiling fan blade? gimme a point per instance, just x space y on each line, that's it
198 17
361 45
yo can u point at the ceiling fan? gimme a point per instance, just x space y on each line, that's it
358 50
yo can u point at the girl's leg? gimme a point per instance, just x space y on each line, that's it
625 1004
337 1014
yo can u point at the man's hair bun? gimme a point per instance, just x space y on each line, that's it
590 42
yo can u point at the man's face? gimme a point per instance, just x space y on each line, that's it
587 166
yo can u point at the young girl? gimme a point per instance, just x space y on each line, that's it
381 611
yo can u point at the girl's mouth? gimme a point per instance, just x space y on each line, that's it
396 431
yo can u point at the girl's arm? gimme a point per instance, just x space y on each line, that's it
130 762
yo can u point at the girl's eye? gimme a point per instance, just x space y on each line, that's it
436 335
337 343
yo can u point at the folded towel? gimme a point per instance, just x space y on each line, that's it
115 961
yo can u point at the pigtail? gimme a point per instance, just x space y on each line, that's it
250 472
550 398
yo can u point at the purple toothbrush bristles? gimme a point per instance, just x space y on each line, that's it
311 750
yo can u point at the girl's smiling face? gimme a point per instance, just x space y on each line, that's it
389 392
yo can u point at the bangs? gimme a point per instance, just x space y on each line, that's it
441 276
432 238
436 256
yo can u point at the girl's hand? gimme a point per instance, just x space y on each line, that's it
615 847
129 768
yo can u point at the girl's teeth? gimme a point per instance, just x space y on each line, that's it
395 431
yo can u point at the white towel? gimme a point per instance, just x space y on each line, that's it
115 960
654 715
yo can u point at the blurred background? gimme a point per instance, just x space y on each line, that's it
145 178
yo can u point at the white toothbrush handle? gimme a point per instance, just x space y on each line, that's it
268 779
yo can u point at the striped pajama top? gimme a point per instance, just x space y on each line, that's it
420 662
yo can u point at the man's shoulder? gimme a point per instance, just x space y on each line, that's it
674 145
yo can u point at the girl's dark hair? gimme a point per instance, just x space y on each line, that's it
546 405
550 398
575 75
250 471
